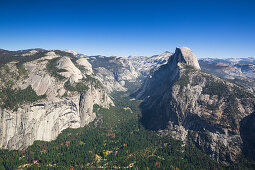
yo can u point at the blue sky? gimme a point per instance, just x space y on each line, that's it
130 27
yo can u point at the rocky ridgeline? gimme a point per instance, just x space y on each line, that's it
241 71
70 89
179 99
182 101
71 83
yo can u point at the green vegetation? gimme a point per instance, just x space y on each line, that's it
10 98
183 80
230 96
53 70
232 111
81 68
92 81
132 87
22 70
8 76
115 140
216 88
8 56
83 84
70 55
79 87
64 53
241 93
35 56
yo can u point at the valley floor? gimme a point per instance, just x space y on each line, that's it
115 140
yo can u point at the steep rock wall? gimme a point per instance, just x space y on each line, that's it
46 120
195 107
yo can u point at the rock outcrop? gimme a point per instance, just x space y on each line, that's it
70 94
107 78
178 98
47 119
182 101
69 69
88 99
185 55
87 66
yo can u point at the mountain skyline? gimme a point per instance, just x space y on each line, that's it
62 110
123 28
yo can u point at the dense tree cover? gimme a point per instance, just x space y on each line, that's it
132 87
10 98
115 139
8 56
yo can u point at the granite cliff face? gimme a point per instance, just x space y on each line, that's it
46 120
182 101
179 99
69 87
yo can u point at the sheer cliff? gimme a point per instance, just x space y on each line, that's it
44 92
198 108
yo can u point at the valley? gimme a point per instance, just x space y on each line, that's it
115 140
63 110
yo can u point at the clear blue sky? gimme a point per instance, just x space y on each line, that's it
130 27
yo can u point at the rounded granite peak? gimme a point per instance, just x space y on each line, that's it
185 54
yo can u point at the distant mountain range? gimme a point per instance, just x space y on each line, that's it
208 103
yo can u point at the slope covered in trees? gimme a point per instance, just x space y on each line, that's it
115 140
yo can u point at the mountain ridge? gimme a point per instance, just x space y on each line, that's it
181 101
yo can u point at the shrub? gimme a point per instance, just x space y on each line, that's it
11 98
53 70
79 87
